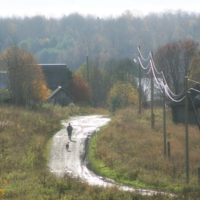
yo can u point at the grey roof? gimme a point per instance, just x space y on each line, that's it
55 74
58 89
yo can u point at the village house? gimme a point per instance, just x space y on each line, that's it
178 108
56 76
57 81
60 96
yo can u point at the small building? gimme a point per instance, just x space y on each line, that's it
56 75
60 96
178 108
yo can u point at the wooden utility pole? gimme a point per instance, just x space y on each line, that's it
152 93
186 133
168 149
198 176
139 84
164 122
88 80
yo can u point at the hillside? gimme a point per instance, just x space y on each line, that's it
71 38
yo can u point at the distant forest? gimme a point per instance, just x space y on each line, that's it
71 38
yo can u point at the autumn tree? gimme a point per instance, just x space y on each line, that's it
174 59
122 94
25 78
79 89
82 71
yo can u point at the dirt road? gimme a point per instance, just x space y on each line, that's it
73 161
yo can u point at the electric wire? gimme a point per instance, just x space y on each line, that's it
165 86
193 81
155 67
142 56
142 64
166 81
175 94
194 90
149 70
161 83
173 98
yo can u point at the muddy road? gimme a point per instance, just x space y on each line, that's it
73 161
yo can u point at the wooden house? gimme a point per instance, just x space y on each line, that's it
56 75
178 108
60 96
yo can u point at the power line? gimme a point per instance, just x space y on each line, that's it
142 56
165 86
149 71
161 83
193 81
142 64
166 81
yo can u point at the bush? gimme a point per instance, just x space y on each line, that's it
115 103
4 95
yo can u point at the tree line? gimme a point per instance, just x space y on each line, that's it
112 86
71 38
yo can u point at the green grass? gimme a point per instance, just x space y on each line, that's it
100 168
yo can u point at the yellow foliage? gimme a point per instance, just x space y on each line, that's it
82 71
126 93
41 91
1 193
5 182
26 79
1 187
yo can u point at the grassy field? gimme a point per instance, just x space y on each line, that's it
130 152
25 137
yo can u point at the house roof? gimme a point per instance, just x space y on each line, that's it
57 90
55 74
195 95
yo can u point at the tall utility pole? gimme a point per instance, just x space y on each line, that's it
164 122
152 93
88 80
186 133
139 84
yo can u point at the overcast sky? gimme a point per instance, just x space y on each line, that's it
101 8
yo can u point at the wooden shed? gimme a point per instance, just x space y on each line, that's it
60 96
56 75
178 108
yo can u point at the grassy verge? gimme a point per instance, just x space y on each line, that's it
101 168
130 152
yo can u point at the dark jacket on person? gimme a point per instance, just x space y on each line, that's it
69 129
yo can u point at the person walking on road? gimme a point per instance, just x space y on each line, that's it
69 131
